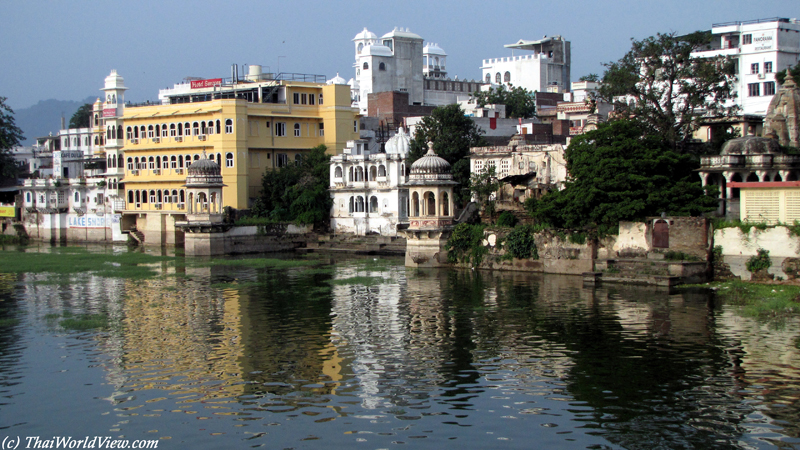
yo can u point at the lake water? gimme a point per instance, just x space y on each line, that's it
361 352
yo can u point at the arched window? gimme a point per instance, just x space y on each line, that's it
27 197
119 132
298 159
366 65
173 162
373 173
158 131
138 197
337 172
96 141
415 204
430 203
158 162
228 126
150 132
373 204
96 120
130 196
203 127
296 130
381 66
352 205
172 131
360 47
507 77
136 163
153 196
174 196
142 131
119 161
77 198
445 204
218 126
165 163
381 170
130 163
164 130
180 161
350 174
182 195
160 197
210 128
180 129
195 129
497 78
187 129
359 204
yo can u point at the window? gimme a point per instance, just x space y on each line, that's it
303 99
497 78
150 131
747 39
296 97
229 159
769 88
296 130
488 78
355 126
195 129
151 163
164 130
382 66
228 126
173 162
507 77
320 99
172 130
754 68
768 67
280 129
298 159
322 129
366 65
753 90
311 98
281 160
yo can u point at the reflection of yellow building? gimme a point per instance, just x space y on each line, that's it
247 127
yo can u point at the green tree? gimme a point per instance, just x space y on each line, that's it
590 77
452 134
297 193
780 77
520 102
82 117
484 186
619 172
10 136
661 85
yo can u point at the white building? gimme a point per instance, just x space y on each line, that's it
400 61
761 48
369 189
547 69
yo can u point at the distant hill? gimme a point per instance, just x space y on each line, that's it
44 117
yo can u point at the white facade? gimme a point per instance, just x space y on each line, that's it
392 62
547 69
368 189
761 48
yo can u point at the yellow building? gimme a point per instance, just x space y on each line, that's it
247 127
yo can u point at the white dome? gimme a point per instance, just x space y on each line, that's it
433 49
377 50
365 34
400 143
337 80
399 32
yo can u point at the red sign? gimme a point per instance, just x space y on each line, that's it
110 112
199 84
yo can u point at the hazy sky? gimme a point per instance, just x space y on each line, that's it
64 49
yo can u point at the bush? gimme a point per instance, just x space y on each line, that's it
520 243
759 262
466 244
507 219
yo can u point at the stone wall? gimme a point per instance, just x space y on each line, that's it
738 247
251 239
688 235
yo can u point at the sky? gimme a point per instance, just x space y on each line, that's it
64 49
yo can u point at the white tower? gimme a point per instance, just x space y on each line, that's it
112 134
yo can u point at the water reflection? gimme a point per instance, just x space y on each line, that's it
365 350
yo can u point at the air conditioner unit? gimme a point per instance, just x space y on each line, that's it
761 76
179 171
158 205
156 140
138 205
156 171
202 137
134 141
181 205
178 138
135 172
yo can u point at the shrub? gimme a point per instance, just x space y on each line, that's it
520 243
466 244
507 219
759 262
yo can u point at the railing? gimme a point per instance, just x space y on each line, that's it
722 161
748 22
